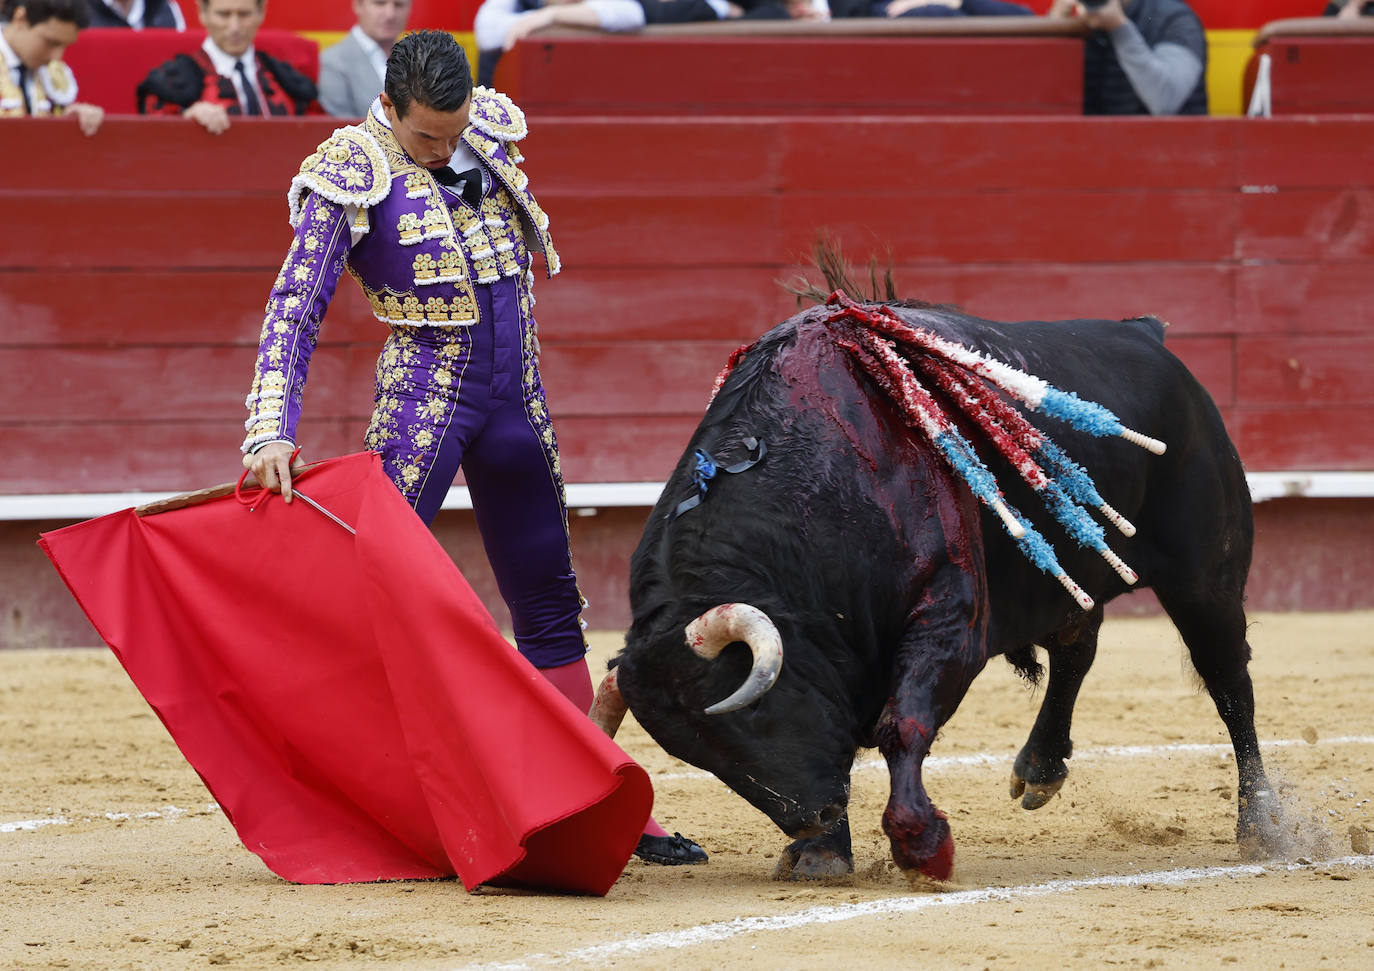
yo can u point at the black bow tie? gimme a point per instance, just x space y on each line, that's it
471 181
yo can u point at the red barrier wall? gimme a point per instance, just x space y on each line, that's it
132 310
1316 73
904 68
331 15
458 14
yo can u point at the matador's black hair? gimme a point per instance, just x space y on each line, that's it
37 11
428 67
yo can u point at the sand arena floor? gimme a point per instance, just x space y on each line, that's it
111 855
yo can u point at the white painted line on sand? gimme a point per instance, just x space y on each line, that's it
869 763
938 762
643 944
31 824
166 812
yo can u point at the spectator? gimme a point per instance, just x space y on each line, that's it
1141 57
226 77
137 14
1349 9
501 23
35 82
352 71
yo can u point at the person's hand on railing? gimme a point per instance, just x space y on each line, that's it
87 116
210 116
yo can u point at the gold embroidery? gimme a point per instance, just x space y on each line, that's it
409 227
425 269
417 185
467 221
452 264
486 269
436 309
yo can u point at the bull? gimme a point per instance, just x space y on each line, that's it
822 563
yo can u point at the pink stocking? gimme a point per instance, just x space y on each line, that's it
574 682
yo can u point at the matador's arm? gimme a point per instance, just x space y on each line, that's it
290 328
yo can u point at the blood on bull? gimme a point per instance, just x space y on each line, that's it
882 497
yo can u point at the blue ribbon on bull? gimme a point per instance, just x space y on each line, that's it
707 468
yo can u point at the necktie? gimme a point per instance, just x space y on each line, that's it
471 180
24 87
250 96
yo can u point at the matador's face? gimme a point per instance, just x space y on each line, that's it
428 136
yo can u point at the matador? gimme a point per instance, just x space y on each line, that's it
425 206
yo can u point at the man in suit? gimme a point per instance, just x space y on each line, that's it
226 76
352 71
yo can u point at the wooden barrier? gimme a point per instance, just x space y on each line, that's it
1318 65
959 66
132 309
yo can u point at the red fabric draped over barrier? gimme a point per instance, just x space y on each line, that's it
347 699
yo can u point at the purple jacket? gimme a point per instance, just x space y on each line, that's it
360 203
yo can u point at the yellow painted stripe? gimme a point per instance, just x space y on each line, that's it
1228 51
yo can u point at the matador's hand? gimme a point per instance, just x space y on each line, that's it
271 466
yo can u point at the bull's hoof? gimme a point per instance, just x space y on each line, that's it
1260 832
822 857
1035 782
675 850
807 860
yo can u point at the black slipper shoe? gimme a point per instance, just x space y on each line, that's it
672 850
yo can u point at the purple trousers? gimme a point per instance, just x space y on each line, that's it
472 397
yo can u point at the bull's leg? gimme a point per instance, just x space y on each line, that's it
1215 635
941 652
1039 770
818 857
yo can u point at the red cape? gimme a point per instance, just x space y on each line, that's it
348 700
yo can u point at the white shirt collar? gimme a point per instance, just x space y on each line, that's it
136 12
224 64
7 52
375 55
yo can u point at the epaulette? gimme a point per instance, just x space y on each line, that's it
60 83
348 168
496 115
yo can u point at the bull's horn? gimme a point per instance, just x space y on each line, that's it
608 708
709 633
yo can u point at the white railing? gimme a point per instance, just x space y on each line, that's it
586 497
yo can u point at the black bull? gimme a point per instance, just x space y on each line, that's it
890 587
